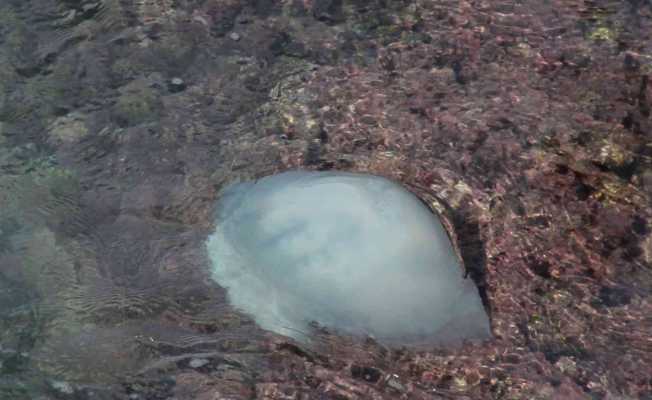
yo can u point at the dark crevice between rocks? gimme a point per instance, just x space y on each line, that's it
471 249
472 252
583 191
328 11
309 356
639 225
624 171
284 44
643 105
632 251
466 238
226 18
540 267
224 22
554 350
626 243
458 72
612 296
368 374
314 155
265 8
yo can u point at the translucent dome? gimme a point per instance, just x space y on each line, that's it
355 253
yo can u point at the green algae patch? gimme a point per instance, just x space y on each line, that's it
603 34
137 104
69 128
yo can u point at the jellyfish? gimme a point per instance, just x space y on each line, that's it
355 253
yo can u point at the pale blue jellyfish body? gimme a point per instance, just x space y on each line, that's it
355 253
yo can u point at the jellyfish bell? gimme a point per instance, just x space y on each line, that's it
355 253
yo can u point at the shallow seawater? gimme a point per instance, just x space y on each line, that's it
123 124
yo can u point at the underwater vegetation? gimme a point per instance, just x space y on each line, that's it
352 252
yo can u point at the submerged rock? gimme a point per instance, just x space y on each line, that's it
138 103
62 387
69 128
176 85
357 253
